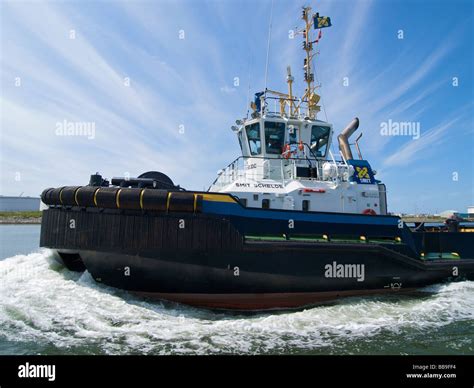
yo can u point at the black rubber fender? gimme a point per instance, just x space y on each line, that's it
106 197
181 202
46 196
152 199
84 196
129 199
55 196
68 195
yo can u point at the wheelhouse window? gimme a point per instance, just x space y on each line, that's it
239 136
253 135
292 137
274 137
319 140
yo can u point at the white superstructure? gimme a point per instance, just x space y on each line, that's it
309 179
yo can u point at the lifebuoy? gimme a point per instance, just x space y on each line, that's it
370 212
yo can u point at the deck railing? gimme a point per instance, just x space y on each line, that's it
278 169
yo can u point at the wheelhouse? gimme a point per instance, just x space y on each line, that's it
274 137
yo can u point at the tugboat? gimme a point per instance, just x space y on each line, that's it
287 224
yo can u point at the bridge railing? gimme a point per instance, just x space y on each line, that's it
277 169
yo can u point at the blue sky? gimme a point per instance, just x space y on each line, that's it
175 114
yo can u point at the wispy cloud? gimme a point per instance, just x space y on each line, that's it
356 27
431 139
153 128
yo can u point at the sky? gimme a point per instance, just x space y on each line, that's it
158 84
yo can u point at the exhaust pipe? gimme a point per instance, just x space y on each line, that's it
343 138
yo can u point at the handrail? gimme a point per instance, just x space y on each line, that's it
235 170
302 109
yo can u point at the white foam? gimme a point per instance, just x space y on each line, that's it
44 303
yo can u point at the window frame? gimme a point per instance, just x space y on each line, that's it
251 127
276 124
328 137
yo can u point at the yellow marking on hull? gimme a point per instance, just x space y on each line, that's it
141 198
95 196
218 198
75 196
168 201
117 200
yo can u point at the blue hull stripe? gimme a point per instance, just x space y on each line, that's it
234 209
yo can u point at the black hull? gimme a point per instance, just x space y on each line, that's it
210 262
293 277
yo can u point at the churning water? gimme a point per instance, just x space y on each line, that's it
46 309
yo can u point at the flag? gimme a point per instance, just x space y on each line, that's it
321 21
319 36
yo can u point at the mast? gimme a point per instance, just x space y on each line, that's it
308 47
310 97
311 20
289 80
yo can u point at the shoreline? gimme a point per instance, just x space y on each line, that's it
20 221
34 218
20 218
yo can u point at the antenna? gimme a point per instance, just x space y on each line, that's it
268 49
247 101
289 80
